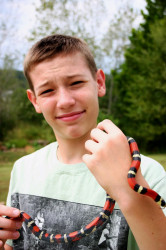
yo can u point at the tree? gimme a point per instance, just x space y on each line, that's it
78 18
7 85
141 81
8 32
155 11
114 43
88 20
108 44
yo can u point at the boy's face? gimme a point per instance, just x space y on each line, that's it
66 93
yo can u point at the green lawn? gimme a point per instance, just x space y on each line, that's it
8 158
160 158
6 163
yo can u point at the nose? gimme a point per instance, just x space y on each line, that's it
65 99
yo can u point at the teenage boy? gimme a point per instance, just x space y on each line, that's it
66 182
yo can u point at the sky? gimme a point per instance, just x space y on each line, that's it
19 16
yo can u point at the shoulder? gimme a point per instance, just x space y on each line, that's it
152 170
155 175
38 157
150 165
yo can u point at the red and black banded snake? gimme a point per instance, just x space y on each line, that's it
107 209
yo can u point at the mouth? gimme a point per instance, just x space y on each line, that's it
70 116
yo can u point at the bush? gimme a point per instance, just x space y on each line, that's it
102 116
29 134
16 143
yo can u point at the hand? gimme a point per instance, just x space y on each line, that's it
109 158
8 227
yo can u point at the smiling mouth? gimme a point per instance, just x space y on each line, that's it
70 116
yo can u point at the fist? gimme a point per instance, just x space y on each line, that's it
109 158
8 227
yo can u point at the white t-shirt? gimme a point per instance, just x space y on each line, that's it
65 197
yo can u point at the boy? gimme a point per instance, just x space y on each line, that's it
66 182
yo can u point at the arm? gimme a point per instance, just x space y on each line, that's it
8 227
109 161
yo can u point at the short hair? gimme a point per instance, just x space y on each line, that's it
54 45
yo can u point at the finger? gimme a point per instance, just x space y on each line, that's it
1 244
91 146
9 211
5 234
108 126
98 135
10 223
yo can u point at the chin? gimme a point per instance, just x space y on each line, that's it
77 134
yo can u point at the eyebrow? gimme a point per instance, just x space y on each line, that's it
75 75
43 84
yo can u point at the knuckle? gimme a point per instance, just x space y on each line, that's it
2 207
13 235
16 235
9 224
106 120
86 144
93 131
92 162
88 159
14 225
121 137
6 234
18 225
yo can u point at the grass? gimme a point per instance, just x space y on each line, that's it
8 158
161 158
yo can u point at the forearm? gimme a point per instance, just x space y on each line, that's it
146 220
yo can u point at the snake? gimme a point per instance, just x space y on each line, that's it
107 209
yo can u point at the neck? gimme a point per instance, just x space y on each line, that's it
71 151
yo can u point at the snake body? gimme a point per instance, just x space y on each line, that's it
107 209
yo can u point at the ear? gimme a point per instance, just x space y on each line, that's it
33 100
101 82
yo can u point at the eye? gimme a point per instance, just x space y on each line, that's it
77 82
46 91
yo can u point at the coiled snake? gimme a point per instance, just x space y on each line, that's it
107 209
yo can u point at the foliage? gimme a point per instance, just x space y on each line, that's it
15 107
25 110
141 81
7 160
8 82
102 116
107 44
136 89
16 143
29 134
70 18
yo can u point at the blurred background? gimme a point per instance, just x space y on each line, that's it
128 41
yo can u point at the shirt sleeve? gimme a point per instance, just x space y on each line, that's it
155 175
